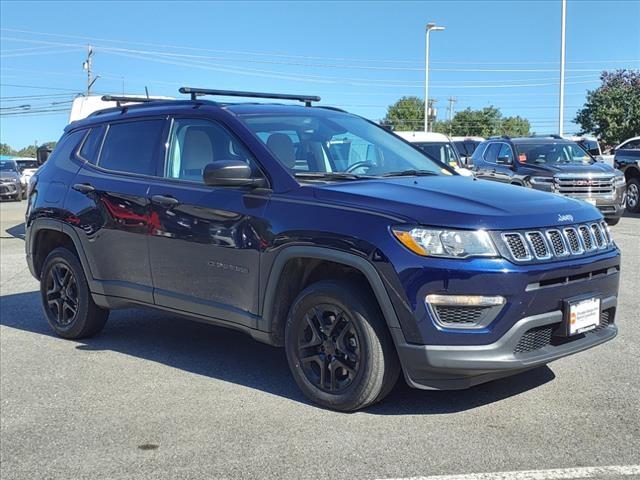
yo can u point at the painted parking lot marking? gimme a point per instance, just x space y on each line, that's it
611 471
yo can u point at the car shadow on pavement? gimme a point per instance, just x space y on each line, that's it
232 356
17 231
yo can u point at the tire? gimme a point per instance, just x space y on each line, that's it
17 198
612 221
633 195
66 300
338 346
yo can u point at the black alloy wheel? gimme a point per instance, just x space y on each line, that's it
66 298
339 348
329 348
62 294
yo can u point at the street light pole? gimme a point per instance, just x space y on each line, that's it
562 55
430 27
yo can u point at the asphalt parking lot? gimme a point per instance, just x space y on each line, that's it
160 397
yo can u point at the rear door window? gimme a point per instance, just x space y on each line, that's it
132 147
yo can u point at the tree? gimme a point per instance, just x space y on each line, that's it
612 111
30 150
405 115
515 127
484 123
6 149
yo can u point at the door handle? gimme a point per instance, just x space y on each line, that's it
84 188
165 200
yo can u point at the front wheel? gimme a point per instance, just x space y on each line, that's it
66 298
633 195
338 346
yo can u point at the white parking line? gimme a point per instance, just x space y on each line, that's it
614 471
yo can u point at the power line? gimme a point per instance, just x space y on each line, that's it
306 57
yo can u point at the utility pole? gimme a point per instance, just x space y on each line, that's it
87 65
562 54
432 112
430 27
451 100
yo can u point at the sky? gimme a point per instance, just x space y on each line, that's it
360 56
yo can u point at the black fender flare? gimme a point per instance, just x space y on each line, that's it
40 224
319 253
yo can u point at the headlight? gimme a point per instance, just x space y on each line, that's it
619 181
446 243
542 183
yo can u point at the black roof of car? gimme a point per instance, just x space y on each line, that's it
531 140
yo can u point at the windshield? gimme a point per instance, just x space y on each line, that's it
442 151
544 153
25 164
332 145
8 165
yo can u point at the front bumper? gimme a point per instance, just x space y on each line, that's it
9 189
611 206
528 344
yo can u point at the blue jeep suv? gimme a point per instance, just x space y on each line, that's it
316 230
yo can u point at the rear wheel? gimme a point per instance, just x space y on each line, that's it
66 299
633 195
338 346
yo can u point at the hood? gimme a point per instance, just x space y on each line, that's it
597 168
460 202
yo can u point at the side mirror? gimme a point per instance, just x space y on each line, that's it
231 173
503 161
42 154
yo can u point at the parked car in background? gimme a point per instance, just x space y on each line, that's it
361 269
592 146
27 167
627 159
466 146
439 147
553 164
10 185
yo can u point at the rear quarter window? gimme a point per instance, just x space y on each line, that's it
91 145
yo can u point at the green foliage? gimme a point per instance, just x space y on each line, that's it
612 111
28 151
483 123
405 115
6 149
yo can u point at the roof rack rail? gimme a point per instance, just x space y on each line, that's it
195 92
119 99
548 135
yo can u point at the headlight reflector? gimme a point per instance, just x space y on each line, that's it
446 243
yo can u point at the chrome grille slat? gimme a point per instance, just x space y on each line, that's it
517 246
573 240
555 243
538 245
584 186
560 248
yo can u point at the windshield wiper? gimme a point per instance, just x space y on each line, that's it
331 175
410 173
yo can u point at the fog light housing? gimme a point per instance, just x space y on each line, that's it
464 311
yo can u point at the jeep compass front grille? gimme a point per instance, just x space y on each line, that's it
552 243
